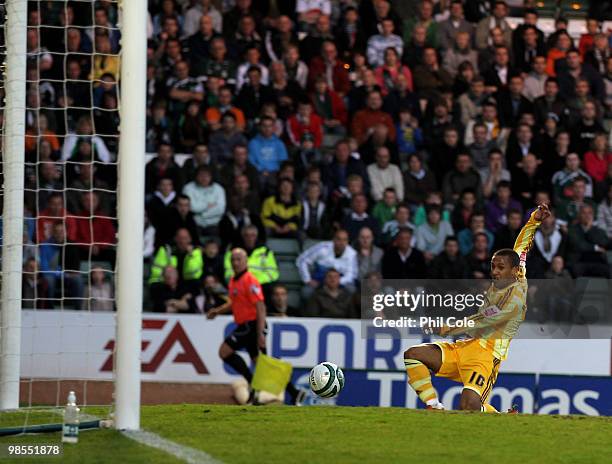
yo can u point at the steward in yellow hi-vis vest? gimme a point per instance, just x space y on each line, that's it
475 361
184 257
261 262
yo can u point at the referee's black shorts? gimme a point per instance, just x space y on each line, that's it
244 336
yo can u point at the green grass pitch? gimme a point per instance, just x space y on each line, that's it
281 434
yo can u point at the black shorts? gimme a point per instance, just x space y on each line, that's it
244 336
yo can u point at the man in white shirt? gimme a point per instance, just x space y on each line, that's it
377 44
536 79
336 254
207 200
253 58
309 10
193 15
383 174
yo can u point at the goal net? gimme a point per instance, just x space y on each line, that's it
70 206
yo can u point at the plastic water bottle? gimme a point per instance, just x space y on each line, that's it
70 433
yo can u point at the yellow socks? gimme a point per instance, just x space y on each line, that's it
420 380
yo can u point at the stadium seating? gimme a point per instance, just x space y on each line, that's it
284 246
309 242
87 266
288 273
593 300
294 298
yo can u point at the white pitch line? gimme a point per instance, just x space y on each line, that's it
187 454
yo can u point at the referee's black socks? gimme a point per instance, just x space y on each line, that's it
293 392
239 366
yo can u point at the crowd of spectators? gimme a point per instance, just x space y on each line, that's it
410 138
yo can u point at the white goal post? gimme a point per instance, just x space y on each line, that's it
130 207
12 215
131 185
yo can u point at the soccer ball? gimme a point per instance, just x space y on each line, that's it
326 380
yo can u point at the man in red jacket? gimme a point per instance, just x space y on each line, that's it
304 122
92 230
331 67
53 213
330 107
366 119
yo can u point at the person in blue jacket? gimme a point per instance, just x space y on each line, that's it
267 151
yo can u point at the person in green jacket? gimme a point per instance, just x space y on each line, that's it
184 257
384 210
425 19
